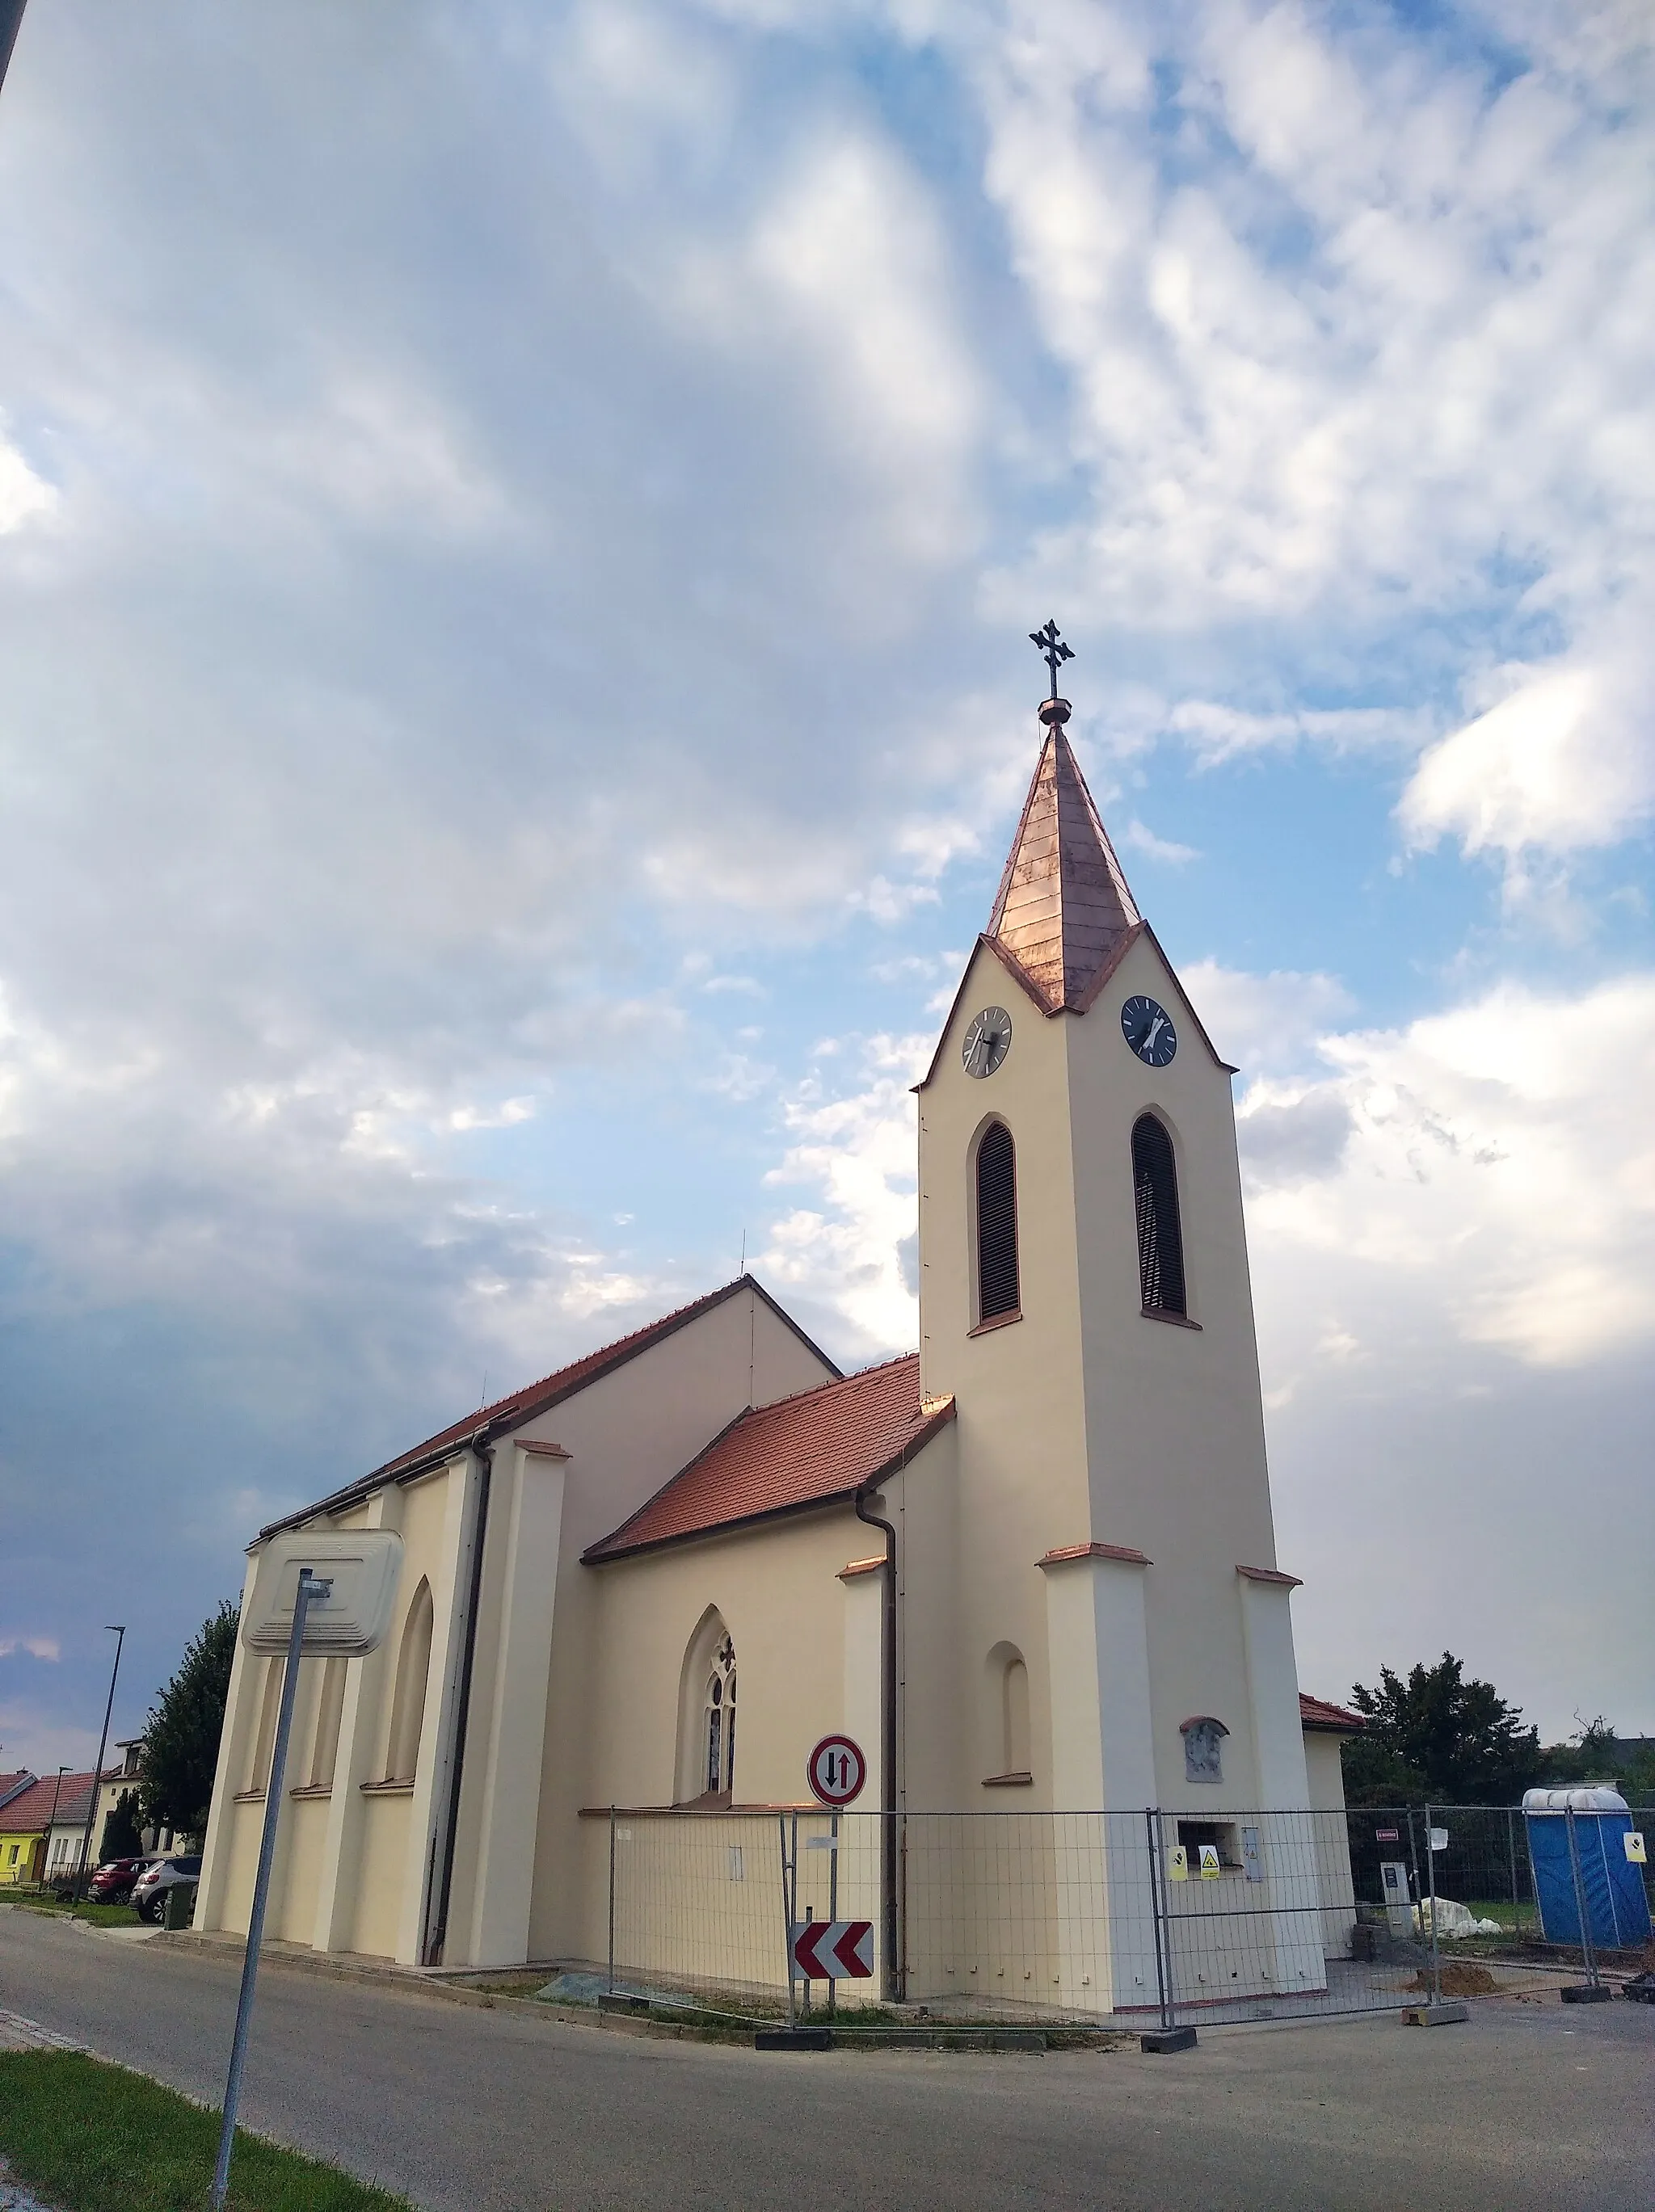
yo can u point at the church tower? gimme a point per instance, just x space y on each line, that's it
1085 1300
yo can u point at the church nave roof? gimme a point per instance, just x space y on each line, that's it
538 1398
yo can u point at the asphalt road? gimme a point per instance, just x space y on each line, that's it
466 2110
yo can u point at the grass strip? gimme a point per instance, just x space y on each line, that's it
91 2138
101 1915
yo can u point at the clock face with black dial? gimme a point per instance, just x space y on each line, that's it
987 1041
1149 1029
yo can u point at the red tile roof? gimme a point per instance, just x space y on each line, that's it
1317 1713
14 1783
822 1445
28 1815
538 1398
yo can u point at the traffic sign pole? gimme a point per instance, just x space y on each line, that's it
309 1586
833 1899
787 1914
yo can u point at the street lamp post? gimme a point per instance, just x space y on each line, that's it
57 1788
119 1635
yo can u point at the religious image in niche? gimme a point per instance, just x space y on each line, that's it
1203 1748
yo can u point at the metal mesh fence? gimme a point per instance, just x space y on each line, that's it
1130 1919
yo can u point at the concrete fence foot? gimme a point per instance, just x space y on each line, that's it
1168 2039
1437 2015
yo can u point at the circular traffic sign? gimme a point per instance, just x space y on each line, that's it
837 1771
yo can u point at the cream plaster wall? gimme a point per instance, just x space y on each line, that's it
327 1887
1175 1417
1325 1771
1335 1879
337 1879
776 1587
1020 1484
1088 1422
304 1823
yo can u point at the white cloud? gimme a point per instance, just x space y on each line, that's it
1216 731
1140 838
517 493
1356 337
1263 1021
844 278
1494 1183
859 1151
38 1647
22 494
1560 763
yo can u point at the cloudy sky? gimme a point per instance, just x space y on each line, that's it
518 526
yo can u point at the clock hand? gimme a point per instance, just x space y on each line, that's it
1153 1031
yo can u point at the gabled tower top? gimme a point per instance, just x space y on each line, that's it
1064 910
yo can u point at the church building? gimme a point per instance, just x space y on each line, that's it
1030 1565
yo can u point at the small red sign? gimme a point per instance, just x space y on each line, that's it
1386 1836
837 1771
833 1950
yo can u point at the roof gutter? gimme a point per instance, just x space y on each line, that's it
482 1452
893 1977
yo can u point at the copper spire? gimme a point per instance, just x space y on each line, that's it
1064 909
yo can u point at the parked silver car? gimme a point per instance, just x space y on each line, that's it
149 1891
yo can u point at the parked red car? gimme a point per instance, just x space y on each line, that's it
111 1883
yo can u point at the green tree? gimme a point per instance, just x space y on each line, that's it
1438 1739
180 1737
121 1839
1595 1754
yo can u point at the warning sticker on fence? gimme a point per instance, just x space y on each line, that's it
1210 1868
1177 1863
1634 1844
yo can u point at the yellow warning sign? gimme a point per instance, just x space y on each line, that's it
1210 1868
1178 1864
1634 1844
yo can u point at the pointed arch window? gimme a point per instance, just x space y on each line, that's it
705 1770
1160 1238
413 1671
999 1292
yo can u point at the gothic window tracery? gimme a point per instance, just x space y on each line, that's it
719 1713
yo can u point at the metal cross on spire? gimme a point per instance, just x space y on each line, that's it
1053 651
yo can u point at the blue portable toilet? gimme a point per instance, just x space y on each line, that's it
1617 1907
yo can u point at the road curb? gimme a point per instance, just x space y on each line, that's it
416 1982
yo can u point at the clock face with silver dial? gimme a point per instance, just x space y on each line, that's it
987 1041
1149 1029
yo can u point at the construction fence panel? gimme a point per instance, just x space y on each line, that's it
1134 1918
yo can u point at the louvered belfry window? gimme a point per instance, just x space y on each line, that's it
1160 1241
996 1223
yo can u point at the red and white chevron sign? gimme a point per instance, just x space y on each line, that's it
833 1950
